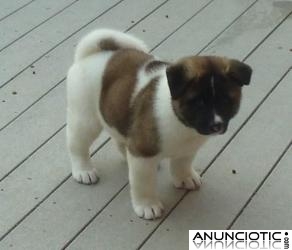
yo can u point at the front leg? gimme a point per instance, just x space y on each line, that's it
183 175
143 184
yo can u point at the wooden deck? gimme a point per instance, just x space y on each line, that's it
41 207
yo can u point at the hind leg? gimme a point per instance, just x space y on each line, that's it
82 130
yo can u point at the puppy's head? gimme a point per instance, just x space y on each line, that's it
206 91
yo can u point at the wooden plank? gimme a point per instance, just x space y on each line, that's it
270 208
253 24
17 57
260 19
64 213
121 183
45 117
56 63
36 178
10 7
25 135
121 228
34 14
168 18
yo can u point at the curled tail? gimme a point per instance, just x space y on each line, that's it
106 39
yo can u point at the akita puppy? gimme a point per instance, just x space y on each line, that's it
152 109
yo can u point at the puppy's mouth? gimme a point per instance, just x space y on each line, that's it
213 130
211 133
221 131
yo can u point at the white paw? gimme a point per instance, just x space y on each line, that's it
190 181
148 209
86 176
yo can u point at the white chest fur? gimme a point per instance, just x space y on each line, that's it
176 139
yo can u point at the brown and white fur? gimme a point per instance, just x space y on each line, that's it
152 110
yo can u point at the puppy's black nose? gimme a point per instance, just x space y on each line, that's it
216 127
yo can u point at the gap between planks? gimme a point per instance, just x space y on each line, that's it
14 11
260 185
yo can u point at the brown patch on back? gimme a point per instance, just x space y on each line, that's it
143 137
119 81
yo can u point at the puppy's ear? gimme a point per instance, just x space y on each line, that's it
239 71
177 80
